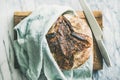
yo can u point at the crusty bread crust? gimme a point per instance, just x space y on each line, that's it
68 60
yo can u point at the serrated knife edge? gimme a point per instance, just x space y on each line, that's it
97 32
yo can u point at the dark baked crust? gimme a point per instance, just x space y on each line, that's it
69 47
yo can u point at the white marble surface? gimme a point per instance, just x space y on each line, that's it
111 18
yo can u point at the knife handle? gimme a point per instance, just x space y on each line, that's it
104 52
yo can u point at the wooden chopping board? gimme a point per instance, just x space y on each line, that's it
98 62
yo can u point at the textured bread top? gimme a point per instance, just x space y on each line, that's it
70 42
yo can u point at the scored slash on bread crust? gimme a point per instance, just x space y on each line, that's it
69 48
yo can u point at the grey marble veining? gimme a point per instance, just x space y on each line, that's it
111 34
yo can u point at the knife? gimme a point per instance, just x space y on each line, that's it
97 32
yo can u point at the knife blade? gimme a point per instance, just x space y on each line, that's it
97 32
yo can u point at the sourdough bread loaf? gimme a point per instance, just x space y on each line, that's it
70 41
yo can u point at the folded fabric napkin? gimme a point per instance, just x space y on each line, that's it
32 50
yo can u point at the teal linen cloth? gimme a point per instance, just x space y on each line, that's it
32 50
